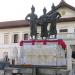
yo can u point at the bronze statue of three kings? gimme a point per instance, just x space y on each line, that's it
53 18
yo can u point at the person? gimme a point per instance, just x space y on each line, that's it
33 23
44 24
55 16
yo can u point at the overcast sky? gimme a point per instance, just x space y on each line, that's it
18 9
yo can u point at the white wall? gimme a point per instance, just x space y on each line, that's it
66 25
68 12
13 31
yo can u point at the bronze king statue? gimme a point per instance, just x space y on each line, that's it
55 16
32 18
44 23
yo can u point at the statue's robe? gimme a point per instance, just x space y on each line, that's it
33 24
54 18
44 24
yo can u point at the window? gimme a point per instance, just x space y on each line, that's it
6 38
73 51
63 30
15 38
25 36
73 54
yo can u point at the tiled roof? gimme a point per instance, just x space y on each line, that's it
14 24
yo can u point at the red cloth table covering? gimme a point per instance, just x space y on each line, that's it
59 41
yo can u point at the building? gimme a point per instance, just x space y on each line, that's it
12 32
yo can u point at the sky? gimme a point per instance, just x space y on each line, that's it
11 10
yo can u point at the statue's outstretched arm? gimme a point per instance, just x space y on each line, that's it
59 15
28 16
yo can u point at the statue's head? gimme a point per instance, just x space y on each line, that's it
33 9
44 10
53 7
